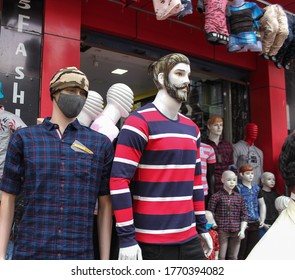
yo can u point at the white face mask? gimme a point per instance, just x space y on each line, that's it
70 104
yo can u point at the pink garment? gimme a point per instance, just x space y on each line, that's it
166 8
215 17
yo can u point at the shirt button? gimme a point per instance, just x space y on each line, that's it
61 208
59 231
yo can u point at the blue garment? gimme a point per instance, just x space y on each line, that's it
251 199
61 183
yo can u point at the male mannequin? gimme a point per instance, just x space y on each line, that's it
148 150
223 149
230 213
243 27
63 167
256 208
245 152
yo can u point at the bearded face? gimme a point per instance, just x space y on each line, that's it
178 84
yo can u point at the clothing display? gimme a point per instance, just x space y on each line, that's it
245 154
271 211
9 123
215 20
166 186
165 9
274 29
277 243
243 27
214 235
286 53
63 215
207 157
224 159
229 210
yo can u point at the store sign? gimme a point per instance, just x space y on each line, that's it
20 57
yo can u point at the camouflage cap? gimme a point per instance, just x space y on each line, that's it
68 77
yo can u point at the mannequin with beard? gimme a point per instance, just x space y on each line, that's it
156 186
62 167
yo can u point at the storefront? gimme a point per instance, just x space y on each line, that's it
242 87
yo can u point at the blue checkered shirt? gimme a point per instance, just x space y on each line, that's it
61 185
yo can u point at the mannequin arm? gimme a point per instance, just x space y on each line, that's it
104 225
207 243
210 178
6 219
241 233
262 211
130 253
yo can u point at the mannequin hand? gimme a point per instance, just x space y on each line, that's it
241 234
130 253
261 224
266 226
207 243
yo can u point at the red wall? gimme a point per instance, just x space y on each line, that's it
61 43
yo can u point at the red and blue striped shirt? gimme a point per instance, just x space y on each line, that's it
158 161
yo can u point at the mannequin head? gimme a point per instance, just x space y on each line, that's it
251 132
210 220
91 109
247 174
215 125
121 96
171 72
268 180
229 180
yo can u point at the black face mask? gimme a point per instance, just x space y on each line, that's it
70 104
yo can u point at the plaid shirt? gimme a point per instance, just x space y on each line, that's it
224 159
61 184
229 210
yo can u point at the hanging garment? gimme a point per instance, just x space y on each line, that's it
215 20
286 53
243 26
274 29
166 8
187 9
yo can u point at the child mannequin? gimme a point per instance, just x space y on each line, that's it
211 226
256 207
269 195
230 213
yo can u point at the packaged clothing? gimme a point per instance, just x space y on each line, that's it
274 29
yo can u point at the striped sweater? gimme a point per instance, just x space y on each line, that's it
157 160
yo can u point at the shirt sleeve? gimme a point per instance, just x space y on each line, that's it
131 142
198 192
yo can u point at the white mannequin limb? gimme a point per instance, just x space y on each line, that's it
119 104
130 253
241 233
207 243
92 107
6 220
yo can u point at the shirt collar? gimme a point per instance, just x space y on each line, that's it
50 126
